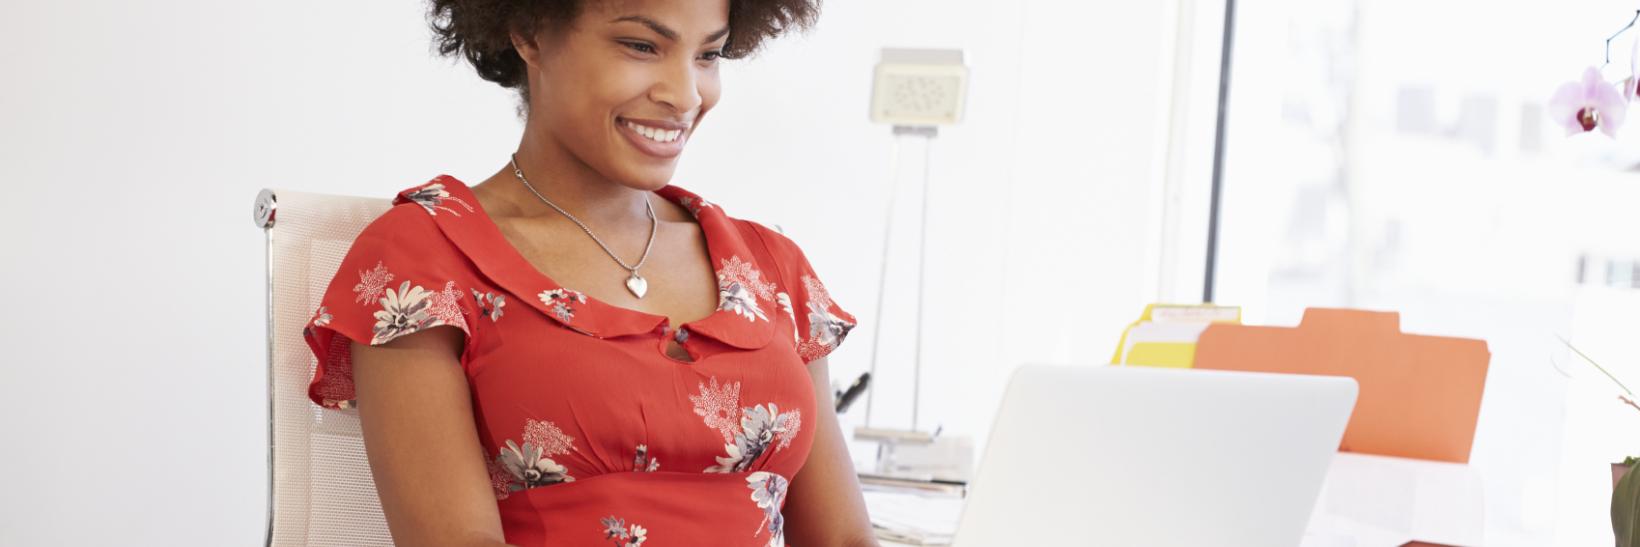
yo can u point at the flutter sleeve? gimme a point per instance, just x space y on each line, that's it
819 323
400 277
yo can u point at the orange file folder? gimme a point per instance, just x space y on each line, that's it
1419 395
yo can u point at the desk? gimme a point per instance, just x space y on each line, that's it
1365 501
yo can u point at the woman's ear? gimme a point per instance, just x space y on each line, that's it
528 48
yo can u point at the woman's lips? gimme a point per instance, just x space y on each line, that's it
658 138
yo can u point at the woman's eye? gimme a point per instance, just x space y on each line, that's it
639 47
713 55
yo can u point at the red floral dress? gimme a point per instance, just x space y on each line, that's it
593 435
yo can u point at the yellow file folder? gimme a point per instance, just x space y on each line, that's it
1165 335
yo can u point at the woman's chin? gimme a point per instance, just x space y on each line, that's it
647 179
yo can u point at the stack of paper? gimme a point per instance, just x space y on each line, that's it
1436 502
913 517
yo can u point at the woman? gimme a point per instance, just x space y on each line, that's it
573 352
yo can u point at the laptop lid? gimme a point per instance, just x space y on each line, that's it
1156 457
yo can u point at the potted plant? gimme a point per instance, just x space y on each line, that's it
1625 484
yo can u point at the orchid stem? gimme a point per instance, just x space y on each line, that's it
1619 33
1591 361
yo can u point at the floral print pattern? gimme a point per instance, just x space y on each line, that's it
747 432
445 306
785 301
559 301
694 204
769 493
371 284
644 462
720 405
556 410
826 330
531 465
489 304
740 285
432 198
624 535
404 311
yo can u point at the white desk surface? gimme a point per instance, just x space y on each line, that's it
1366 501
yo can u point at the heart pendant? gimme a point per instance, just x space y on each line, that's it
637 285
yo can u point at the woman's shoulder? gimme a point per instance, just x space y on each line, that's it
415 210
408 232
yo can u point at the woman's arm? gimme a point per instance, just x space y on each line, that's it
824 507
423 447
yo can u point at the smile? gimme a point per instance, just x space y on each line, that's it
655 133
656 138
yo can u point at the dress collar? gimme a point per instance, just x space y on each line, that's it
747 305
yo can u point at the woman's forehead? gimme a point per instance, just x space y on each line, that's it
683 16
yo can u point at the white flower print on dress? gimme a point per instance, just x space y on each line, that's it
500 478
489 304
740 285
785 301
403 312
826 330
546 435
761 426
720 405
695 205
747 432
736 298
769 493
519 467
787 428
432 197
643 462
559 301
371 284
530 468
445 306
624 535
321 318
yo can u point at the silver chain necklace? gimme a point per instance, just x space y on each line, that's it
635 282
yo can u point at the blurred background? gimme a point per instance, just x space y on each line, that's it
1389 155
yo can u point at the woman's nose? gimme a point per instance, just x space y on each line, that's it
679 87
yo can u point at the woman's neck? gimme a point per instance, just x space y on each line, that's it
572 185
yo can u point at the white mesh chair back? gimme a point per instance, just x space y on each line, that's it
321 492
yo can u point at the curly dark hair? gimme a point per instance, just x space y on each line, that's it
481 30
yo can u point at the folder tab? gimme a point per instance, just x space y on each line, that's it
1420 396
1165 335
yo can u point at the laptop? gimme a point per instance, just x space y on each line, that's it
1120 456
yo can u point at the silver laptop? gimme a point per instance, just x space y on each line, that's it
1125 456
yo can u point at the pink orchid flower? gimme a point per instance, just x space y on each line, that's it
1584 105
1631 86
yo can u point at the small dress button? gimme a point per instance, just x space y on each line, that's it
681 335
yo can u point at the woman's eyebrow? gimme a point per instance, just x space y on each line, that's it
665 31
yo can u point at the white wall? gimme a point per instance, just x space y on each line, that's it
135 136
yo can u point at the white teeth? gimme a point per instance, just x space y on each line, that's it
654 134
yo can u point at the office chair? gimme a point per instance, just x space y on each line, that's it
320 492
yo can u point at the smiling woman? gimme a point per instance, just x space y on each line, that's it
574 351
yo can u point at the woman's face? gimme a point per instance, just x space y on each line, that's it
624 87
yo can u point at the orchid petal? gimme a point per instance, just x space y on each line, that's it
1629 91
1563 107
1605 99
